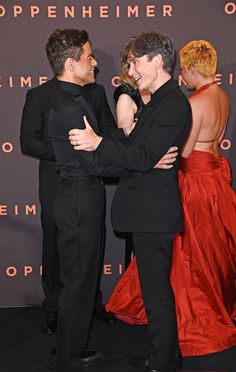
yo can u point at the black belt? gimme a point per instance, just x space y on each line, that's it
81 181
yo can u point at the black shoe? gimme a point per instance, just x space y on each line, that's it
144 362
140 361
102 315
49 324
88 358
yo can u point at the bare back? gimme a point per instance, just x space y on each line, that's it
210 109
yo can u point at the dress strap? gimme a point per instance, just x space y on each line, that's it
206 141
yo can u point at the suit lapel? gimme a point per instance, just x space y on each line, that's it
140 122
155 100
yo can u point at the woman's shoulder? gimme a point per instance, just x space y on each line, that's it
124 88
130 91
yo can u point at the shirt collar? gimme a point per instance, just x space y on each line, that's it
165 88
70 87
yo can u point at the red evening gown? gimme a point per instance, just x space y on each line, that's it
204 261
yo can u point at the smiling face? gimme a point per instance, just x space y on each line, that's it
144 72
84 69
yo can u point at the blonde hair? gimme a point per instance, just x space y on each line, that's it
201 55
124 76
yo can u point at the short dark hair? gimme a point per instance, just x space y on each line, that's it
63 44
151 43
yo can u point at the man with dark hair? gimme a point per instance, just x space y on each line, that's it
79 203
35 142
65 48
147 204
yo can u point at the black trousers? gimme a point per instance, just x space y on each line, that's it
129 249
79 215
154 255
48 186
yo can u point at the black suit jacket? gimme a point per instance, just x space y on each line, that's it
34 136
150 201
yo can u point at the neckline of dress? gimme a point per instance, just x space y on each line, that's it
203 87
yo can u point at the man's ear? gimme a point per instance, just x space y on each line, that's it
69 64
158 60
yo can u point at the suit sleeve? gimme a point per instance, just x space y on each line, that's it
162 132
60 124
32 134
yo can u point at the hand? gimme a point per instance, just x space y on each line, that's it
84 139
168 159
128 130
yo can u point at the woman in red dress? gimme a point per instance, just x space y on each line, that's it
204 257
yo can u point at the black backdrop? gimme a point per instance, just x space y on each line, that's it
24 29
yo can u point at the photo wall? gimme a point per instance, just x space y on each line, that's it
24 30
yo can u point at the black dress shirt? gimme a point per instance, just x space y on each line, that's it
34 136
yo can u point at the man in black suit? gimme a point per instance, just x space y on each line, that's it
79 203
147 202
35 142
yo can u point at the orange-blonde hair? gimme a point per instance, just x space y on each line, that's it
201 55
